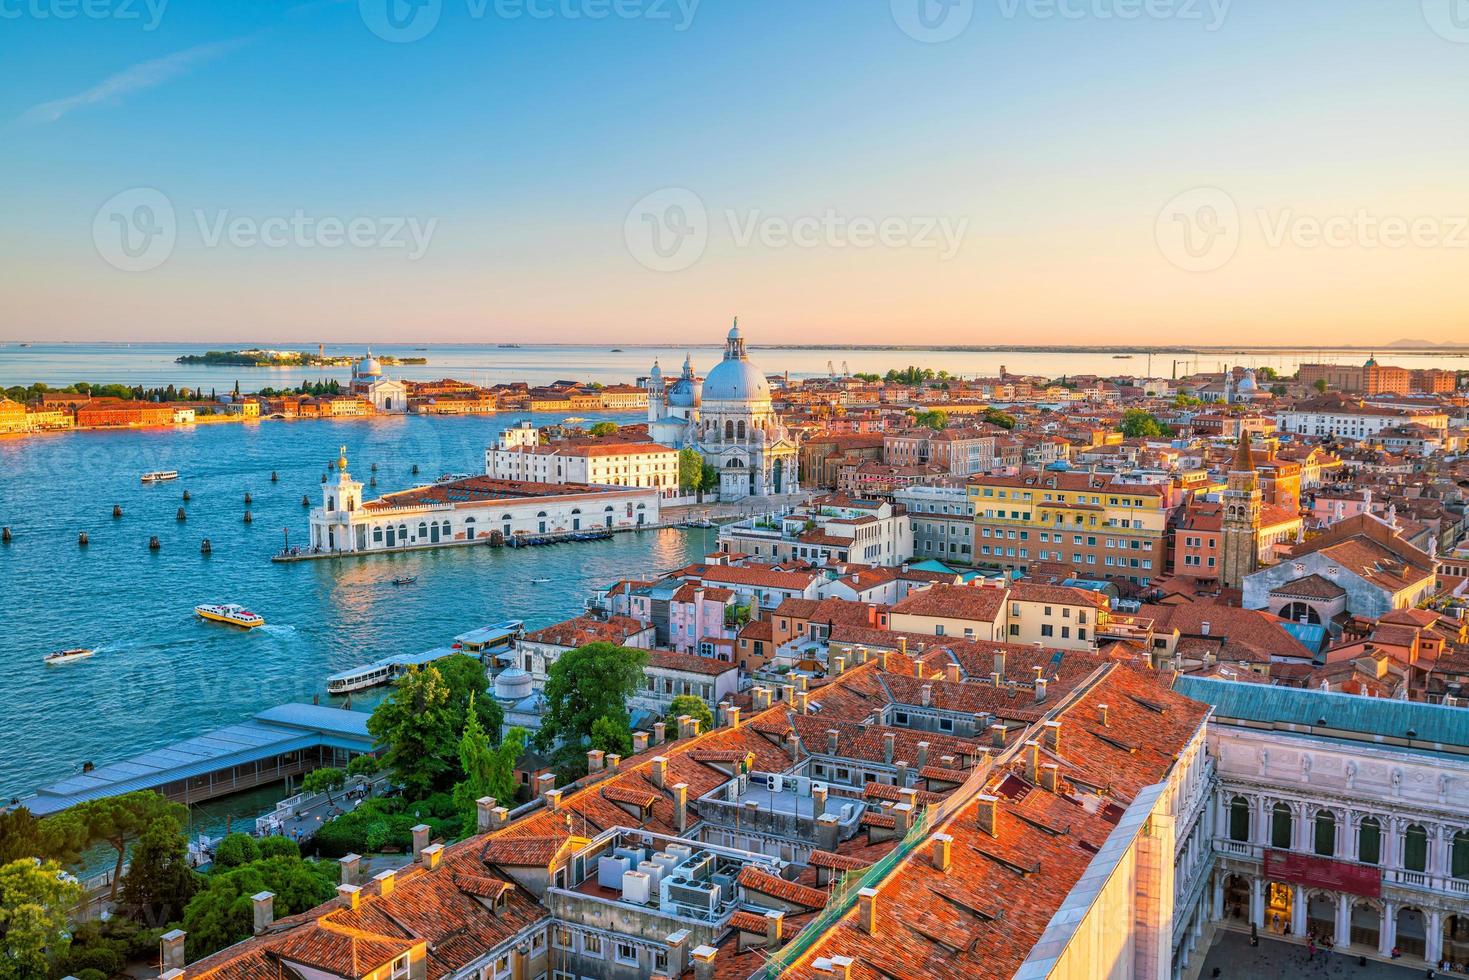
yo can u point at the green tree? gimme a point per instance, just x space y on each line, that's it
690 470
935 418
117 821
222 913
476 763
23 836
35 900
1279 390
415 725
363 765
996 417
324 780
235 850
1320 385
1138 424
603 429
159 881
693 706
466 679
502 782
611 735
585 684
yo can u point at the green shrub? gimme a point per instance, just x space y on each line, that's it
278 846
235 850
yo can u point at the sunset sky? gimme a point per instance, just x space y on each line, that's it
834 171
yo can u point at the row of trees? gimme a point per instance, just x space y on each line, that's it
33 392
695 474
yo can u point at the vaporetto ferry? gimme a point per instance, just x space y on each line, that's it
480 643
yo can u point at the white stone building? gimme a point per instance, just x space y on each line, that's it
729 419
388 397
518 454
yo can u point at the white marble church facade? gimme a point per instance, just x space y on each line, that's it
729 419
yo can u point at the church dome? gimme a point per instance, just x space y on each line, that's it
1248 383
687 390
735 379
512 684
369 367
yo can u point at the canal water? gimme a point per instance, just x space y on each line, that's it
160 674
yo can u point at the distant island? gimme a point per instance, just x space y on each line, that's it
258 357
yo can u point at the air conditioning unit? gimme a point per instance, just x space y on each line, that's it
610 871
775 782
699 865
701 895
637 888
654 871
726 885
666 862
803 785
633 855
680 850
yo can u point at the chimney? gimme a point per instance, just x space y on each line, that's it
350 895
1000 662
942 845
484 814
264 904
888 739
882 660
988 811
545 783
951 673
922 754
686 727
803 703
997 678
903 645
1033 760
831 741
1204 627
385 881
420 839
918 670
639 742
499 817
818 799
925 695
838 665
678 951
1050 777
681 806
828 831
594 760
794 741
760 698
902 777
733 714
867 911
349 864
659 770
553 799
1040 689
841 966
789 694
903 814
704 962
803 683
1051 733
173 949
1102 714
997 736
659 732
432 855
774 926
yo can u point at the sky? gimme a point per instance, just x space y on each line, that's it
640 171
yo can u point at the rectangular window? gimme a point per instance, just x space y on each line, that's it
626 953
1046 630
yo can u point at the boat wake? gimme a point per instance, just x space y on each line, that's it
278 629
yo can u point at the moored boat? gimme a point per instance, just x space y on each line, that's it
158 476
230 613
406 580
63 656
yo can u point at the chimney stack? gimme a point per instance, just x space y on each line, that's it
684 721
922 754
595 758
659 770
1102 714
172 943
903 814
774 926
1050 777
350 895
838 665
1000 662
832 735
841 966
1051 733
942 844
385 881
867 911
803 683
432 855
733 714
803 703
545 783
660 730
704 962
925 695
951 673
678 950
1033 760
499 817
1040 689
997 736
918 669
828 831
639 742
484 814
818 799
553 799
997 678
614 762
902 777
888 739
989 813
349 864
681 807
420 839
264 906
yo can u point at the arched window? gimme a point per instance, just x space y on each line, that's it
1459 855
1415 848
1325 833
728 429
1281 826
422 529
1239 818
1369 841
741 429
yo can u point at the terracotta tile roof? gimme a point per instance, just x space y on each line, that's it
875 818
976 603
524 852
759 880
638 797
836 862
884 791
581 630
688 663
1310 587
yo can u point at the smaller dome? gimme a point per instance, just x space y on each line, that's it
369 367
512 684
1248 382
657 372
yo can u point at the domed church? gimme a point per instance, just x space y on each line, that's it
728 418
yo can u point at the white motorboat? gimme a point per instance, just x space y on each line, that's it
63 656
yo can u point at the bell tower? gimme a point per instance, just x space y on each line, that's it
1241 525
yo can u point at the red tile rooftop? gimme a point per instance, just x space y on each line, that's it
483 489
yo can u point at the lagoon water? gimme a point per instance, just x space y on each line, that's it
160 674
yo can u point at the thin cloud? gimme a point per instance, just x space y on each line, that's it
138 78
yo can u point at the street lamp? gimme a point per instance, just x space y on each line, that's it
287 549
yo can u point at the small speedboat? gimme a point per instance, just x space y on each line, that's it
63 656
158 476
230 614
407 580
540 581
571 419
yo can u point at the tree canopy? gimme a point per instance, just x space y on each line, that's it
603 429
324 780
693 706
222 913
416 727
583 686
996 417
934 418
1138 424
159 881
118 821
488 771
35 900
